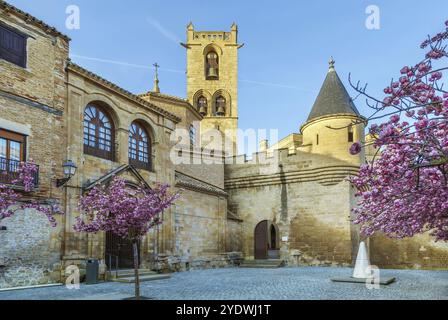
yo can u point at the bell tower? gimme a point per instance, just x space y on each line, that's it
212 83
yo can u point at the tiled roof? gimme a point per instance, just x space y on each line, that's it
333 98
32 20
182 180
76 68
163 95
171 98
117 171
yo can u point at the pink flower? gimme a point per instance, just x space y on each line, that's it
405 70
355 148
128 213
387 101
10 198
421 124
404 192
410 113
436 76
395 118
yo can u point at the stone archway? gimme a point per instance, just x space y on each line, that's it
266 241
120 252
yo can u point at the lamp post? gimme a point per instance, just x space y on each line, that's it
69 168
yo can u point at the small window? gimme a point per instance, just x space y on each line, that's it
12 46
317 139
12 153
192 135
351 137
12 145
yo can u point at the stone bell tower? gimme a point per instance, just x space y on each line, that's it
212 82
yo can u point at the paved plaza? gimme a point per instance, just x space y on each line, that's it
302 283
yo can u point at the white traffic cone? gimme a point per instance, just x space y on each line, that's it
362 263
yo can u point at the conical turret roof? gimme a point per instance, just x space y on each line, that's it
333 97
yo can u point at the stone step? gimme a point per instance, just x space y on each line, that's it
144 278
276 263
130 273
264 261
260 266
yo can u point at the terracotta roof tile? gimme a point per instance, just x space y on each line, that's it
32 20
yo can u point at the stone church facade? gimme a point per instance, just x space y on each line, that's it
290 201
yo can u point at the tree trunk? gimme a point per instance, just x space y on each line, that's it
136 265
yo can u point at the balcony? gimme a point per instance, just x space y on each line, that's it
9 172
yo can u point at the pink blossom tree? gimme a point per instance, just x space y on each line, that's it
403 191
128 212
12 201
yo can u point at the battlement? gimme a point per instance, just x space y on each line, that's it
263 157
212 36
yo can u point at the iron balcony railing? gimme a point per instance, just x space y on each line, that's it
9 172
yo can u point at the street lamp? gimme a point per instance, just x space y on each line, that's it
69 168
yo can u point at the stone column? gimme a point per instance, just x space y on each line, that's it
75 244
121 145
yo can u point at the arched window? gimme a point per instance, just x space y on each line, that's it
98 133
212 66
139 147
220 106
202 105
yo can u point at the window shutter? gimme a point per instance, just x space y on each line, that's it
12 47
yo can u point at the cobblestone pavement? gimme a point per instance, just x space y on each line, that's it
302 283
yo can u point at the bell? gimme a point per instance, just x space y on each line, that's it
203 110
212 73
220 111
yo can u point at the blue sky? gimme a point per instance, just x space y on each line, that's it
286 53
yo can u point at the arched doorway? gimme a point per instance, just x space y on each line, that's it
266 240
119 252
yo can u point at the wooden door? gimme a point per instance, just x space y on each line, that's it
122 249
261 241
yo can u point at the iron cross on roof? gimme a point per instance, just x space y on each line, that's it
156 65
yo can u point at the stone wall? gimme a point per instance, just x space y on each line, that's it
234 236
312 195
306 196
199 226
211 172
43 79
33 103
419 252
28 250
123 108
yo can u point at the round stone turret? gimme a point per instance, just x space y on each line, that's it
334 123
